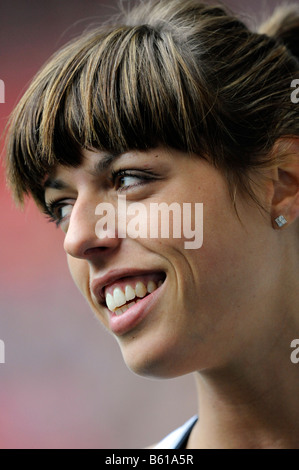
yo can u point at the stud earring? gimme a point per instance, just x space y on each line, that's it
281 221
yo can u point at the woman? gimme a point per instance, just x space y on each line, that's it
179 103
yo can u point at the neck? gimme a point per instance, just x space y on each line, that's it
252 403
251 399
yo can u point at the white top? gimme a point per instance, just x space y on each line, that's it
176 438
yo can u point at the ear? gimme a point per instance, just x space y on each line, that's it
285 201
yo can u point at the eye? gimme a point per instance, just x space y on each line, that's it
65 210
125 179
128 180
59 211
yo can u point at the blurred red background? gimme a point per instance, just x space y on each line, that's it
64 384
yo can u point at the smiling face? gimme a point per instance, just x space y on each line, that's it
196 308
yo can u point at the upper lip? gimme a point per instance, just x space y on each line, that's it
98 285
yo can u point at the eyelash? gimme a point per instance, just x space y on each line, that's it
51 209
143 175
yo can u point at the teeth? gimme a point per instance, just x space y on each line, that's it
116 302
120 311
151 286
129 305
129 293
110 302
119 297
140 289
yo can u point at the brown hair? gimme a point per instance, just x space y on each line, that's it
182 74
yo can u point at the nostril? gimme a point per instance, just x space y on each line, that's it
96 250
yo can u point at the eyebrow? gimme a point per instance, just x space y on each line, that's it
55 183
103 164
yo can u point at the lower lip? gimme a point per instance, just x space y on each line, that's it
122 324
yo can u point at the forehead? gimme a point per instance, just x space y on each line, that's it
96 163
93 163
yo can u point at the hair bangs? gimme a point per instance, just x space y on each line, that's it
121 90
132 93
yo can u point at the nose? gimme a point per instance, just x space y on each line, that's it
85 237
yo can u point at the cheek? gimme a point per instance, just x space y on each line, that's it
80 273
79 270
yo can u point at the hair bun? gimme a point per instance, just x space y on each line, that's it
283 25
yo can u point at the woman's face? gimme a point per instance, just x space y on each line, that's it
198 308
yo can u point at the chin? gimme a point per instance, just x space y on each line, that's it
155 360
